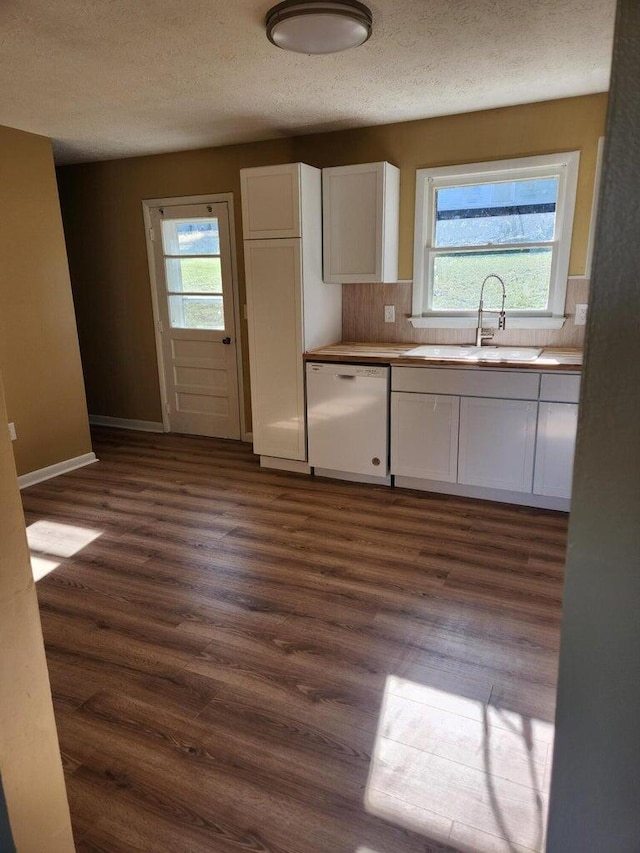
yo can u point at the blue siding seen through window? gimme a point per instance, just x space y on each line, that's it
504 212
198 238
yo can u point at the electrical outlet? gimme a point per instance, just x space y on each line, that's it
389 313
12 432
581 314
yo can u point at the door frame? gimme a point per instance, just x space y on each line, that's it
150 204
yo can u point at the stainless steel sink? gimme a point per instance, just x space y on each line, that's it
473 353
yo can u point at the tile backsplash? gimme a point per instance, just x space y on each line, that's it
363 319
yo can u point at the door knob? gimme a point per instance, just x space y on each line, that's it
226 341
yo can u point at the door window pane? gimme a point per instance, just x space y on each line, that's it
458 276
194 275
495 213
191 236
196 312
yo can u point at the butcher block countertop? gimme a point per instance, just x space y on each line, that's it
550 359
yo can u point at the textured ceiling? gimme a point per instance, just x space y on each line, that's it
118 78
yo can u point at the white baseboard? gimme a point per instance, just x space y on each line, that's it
297 466
126 423
463 491
353 478
50 471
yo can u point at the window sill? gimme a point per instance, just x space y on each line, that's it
522 321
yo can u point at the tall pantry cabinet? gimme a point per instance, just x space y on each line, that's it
289 308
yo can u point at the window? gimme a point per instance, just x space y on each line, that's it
513 218
193 273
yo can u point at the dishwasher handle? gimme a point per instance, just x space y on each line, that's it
345 376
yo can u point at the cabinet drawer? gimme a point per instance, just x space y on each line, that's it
560 388
505 384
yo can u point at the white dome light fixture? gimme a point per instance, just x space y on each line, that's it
317 27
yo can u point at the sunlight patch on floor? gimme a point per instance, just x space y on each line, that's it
51 539
41 566
459 771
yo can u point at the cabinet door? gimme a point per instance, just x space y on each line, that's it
271 202
360 223
424 436
274 305
497 443
557 425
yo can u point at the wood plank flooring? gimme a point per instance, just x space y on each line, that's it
248 660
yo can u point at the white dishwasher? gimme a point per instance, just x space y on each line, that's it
348 421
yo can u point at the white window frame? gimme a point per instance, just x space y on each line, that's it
564 166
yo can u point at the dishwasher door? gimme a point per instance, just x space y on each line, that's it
348 418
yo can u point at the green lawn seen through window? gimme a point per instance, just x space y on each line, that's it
195 275
458 277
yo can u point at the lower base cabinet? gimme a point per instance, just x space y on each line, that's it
506 435
555 445
497 443
424 436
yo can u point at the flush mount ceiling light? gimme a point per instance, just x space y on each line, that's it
316 26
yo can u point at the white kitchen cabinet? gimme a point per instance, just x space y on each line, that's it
501 384
497 443
560 387
274 302
289 308
424 436
271 206
515 433
555 445
361 222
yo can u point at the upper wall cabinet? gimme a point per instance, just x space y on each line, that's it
361 223
271 202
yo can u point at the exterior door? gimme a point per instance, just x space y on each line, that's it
196 317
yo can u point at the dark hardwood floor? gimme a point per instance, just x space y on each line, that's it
248 660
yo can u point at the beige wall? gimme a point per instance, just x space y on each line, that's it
39 355
102 211
103 218
573 124
29 754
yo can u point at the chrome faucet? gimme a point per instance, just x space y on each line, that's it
487 334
